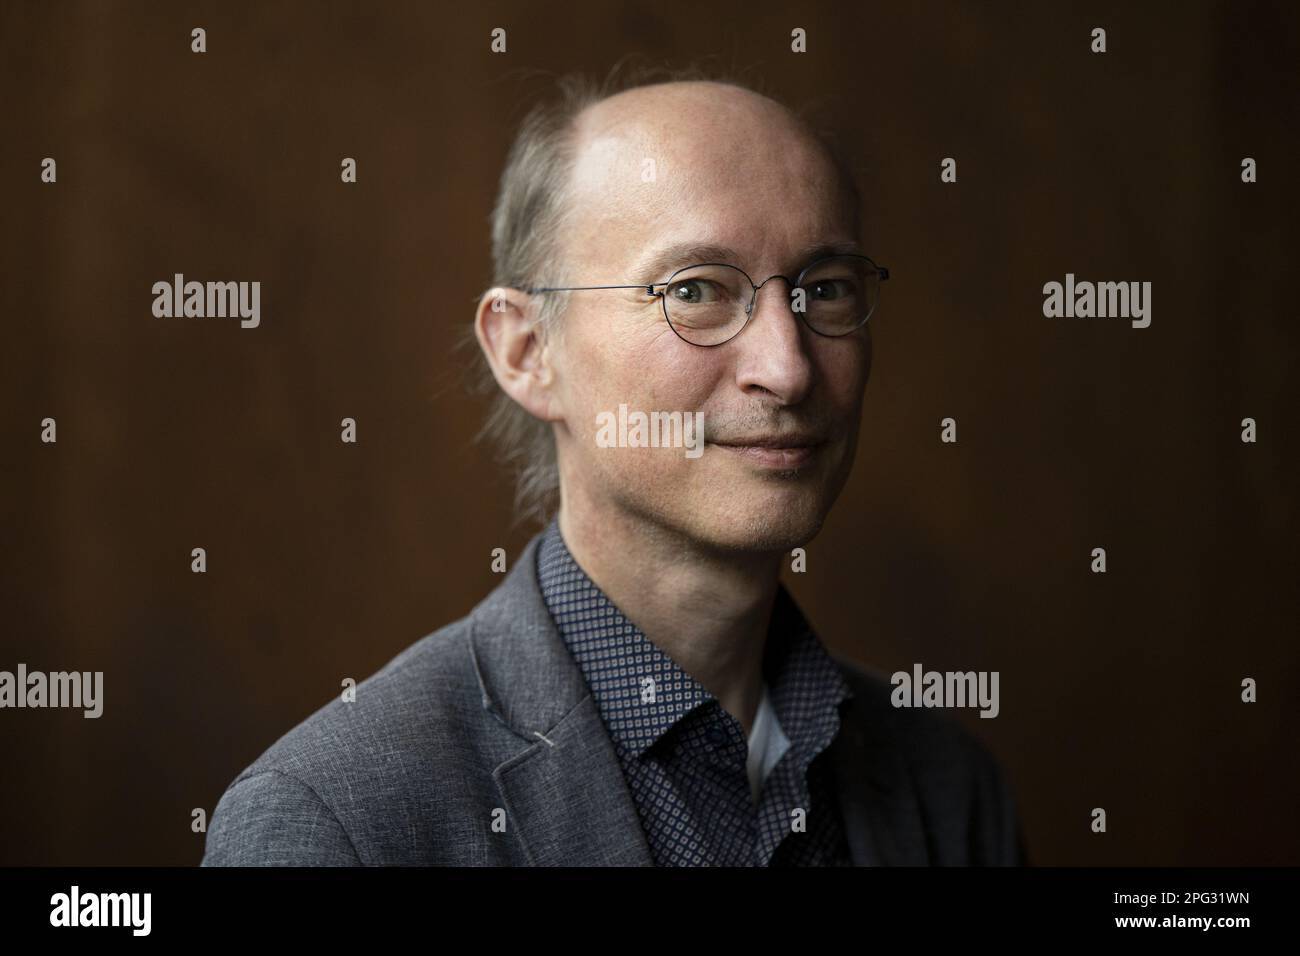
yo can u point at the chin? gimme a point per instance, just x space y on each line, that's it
761 523
730 512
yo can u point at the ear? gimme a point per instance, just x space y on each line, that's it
516 349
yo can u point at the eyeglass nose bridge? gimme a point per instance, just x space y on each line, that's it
753 298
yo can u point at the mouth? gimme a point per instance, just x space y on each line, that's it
777 452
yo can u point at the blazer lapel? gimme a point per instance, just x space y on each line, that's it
882 820
564 791
568 798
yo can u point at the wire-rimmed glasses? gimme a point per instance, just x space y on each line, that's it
709 303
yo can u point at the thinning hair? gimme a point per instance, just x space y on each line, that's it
528 222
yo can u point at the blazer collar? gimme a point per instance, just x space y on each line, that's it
564 791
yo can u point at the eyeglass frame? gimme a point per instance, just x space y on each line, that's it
649 287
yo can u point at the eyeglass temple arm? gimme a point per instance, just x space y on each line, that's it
649 286
582 288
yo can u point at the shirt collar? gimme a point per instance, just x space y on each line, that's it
642 693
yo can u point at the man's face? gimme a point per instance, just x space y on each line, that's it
780 403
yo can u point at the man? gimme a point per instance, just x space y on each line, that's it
640 690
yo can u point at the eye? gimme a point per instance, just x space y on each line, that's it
824 289
693 292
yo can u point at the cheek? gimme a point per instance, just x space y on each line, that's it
679 377
588 370
650 369
843 367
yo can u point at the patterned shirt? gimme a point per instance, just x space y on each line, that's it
683 756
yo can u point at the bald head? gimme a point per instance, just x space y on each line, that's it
655 152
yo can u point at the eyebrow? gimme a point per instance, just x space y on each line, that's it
663 262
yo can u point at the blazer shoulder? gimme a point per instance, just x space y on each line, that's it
323 792
428 684
962 789
269 818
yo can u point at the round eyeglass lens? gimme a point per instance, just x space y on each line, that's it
839 294
706 304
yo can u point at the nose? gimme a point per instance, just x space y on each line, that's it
772 354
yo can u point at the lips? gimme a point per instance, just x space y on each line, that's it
774 451
772 441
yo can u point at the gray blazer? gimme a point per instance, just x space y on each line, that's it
491 713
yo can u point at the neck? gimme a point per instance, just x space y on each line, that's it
708 611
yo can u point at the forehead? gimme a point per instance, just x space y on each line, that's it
699 163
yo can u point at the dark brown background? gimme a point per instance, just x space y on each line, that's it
1118 690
